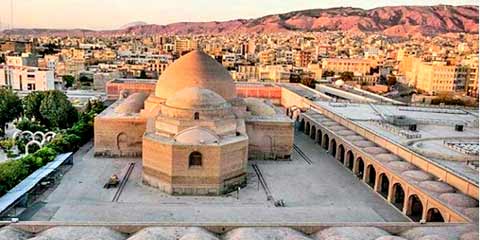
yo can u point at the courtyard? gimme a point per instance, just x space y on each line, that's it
318 189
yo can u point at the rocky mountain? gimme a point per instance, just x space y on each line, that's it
395 21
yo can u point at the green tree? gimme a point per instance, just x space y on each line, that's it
31 105
391 80
328 74
346 76
85 80
10 108
307 81
57 111
26 124
11 173
68 80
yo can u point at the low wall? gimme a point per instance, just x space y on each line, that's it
119 137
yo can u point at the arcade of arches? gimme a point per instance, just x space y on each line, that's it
349 149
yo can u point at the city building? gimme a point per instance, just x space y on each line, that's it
438 77
339 65
302 58
24 78
274 73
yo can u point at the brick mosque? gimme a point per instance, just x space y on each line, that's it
194 133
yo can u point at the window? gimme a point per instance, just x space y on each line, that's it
196 116
195 159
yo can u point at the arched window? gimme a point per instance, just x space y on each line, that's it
195 159
196 116
434 215
415 208
398 196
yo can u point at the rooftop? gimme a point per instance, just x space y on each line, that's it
434 128
217 231
196 98
195 69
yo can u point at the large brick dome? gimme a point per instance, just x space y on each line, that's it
195 69
194 98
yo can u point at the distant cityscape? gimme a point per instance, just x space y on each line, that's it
426 68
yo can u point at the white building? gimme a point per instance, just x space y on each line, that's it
23 78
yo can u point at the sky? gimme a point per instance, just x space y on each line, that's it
111 14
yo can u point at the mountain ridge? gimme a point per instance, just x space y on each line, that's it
389 20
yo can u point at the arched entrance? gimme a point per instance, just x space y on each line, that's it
341 154
371 176
313 132
434 215
326 141
301 128
333 147
398 196
122 142
360 168
384 185
319 137
307 128
350 160
415 208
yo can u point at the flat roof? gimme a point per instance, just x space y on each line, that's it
141 80
435 128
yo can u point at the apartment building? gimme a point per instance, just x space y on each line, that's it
16 46
24 78
471 86
302 58
267 57
339 65
185 45
438 77
246 73
275 73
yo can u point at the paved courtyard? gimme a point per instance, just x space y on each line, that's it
321 192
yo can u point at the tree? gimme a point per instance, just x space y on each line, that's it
10 108
85 81
391 80
31 105
11 173
328 74
68 80
346 76
57 111
26 124
307 81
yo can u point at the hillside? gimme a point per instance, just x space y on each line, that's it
395 21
